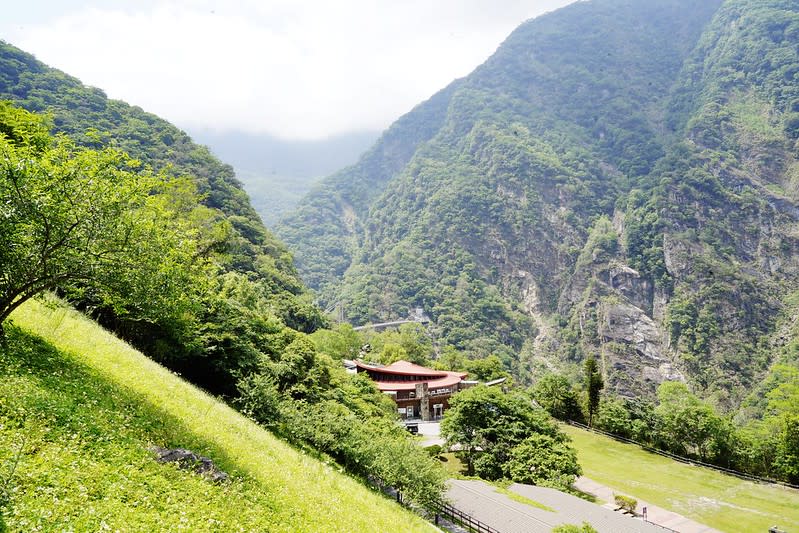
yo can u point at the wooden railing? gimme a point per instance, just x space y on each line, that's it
463 519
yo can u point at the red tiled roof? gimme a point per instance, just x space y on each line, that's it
446 381
406 368
434 378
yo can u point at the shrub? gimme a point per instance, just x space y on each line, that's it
626 503
434 450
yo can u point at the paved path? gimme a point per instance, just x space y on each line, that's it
481 500
430 433
655 514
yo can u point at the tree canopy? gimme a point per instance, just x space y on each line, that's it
502 435
78 218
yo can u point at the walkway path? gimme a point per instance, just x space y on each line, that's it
655 514
482 501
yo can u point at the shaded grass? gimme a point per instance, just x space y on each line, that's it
724 502
523 499
88 407
453 465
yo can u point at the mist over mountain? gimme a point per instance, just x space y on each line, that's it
619 180
276 172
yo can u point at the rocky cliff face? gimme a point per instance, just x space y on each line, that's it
619 179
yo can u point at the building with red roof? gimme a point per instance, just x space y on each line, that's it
419 392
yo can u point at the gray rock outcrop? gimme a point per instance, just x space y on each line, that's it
188 460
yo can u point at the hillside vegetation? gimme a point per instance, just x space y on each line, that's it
80 409
228 231
277 173
147 251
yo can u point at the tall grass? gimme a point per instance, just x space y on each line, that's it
89 406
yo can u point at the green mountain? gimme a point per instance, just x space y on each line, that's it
619 179
168 253
77 110
229 227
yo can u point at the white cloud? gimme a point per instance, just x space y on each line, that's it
294 69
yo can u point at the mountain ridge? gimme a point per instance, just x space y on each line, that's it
558 195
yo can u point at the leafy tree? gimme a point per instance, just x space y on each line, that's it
487 369
450 358
593 386
555 393
349 420
782 414
503 435
340 342
543 460
614 417
77 217
391 353
688 425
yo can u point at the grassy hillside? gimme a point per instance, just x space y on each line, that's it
721 501
83 407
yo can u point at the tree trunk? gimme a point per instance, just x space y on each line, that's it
8 307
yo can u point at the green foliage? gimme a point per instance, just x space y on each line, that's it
434 450
341 342
690 426
357 430
593 387
556 394
487 369
306 397
504 436
214 211
410 343
602 243
543 460
85 219
614 417
781 424
625 502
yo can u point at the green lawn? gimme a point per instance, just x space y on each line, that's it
453 464
724 502
83 407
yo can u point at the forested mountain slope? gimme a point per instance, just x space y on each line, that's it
245 254
77 109
617 180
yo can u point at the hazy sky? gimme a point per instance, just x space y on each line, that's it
291 68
